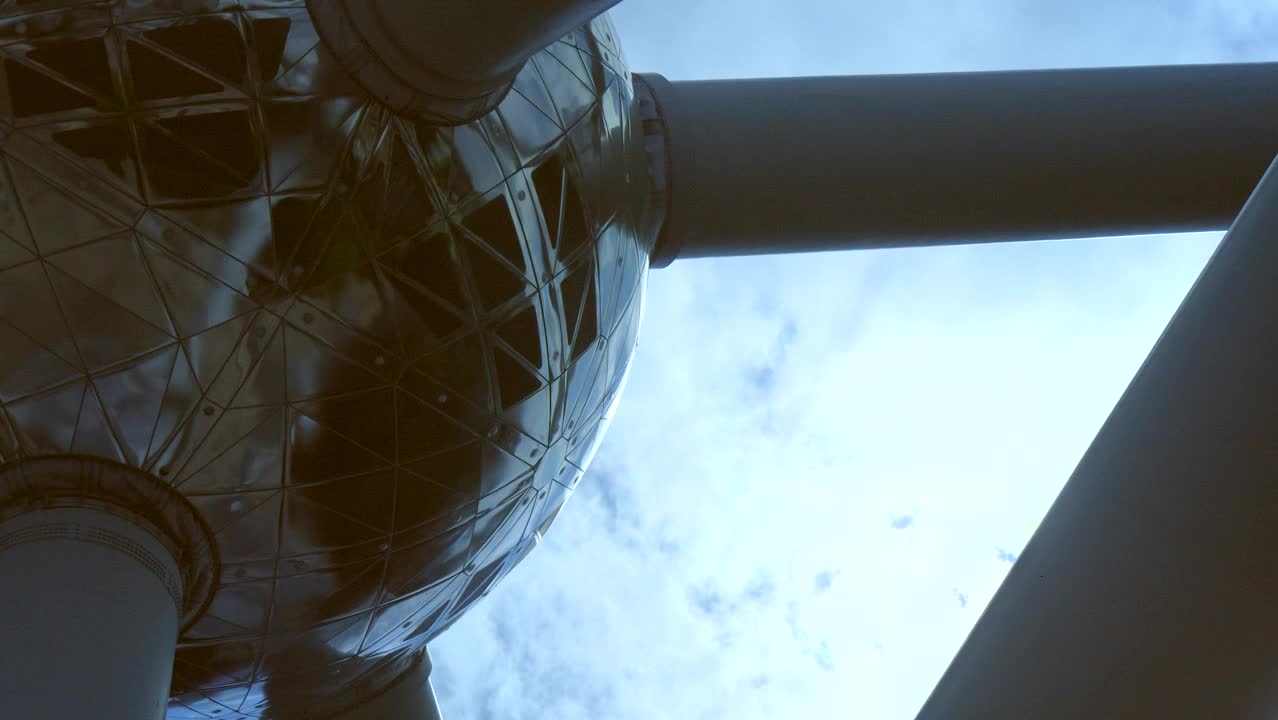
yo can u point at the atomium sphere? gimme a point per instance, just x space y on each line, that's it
375 356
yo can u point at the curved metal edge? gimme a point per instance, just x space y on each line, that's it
352 37
409 696
80 481
396 687
669 125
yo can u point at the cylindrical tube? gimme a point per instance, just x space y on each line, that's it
830 163
89 615
1150 588
443 61
407 695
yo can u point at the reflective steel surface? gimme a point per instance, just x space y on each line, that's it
376 356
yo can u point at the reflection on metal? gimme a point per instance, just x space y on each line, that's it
374 355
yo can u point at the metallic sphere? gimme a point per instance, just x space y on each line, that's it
376 356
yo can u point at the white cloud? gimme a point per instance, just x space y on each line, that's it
735 551
733 554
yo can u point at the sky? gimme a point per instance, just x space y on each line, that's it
824 465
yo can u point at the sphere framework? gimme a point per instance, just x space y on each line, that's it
376 356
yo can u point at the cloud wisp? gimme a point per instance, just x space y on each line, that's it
824 466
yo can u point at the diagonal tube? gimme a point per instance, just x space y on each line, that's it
1149 590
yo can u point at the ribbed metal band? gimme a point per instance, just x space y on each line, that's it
656 148
56 482
655 97
165 572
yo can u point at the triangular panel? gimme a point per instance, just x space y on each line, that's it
307 139
196 302
462 163
208 155
27 367
313 527
57 217
157 75
245 526
318 453
317 370
93 435
209 351
573 62
531 129
100 147
132 400
395 621
421 429
367 417
45 423
419 501
181 396
573 96
429 561
423 320
305 599
39 315
113 267
13 221
240 229
515 379
212 45
265 383
253 462
430 262
496 280
105 332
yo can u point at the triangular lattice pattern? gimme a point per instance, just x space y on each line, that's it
376 356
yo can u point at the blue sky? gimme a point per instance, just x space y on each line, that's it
824 465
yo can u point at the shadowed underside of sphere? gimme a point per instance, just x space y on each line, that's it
376 356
